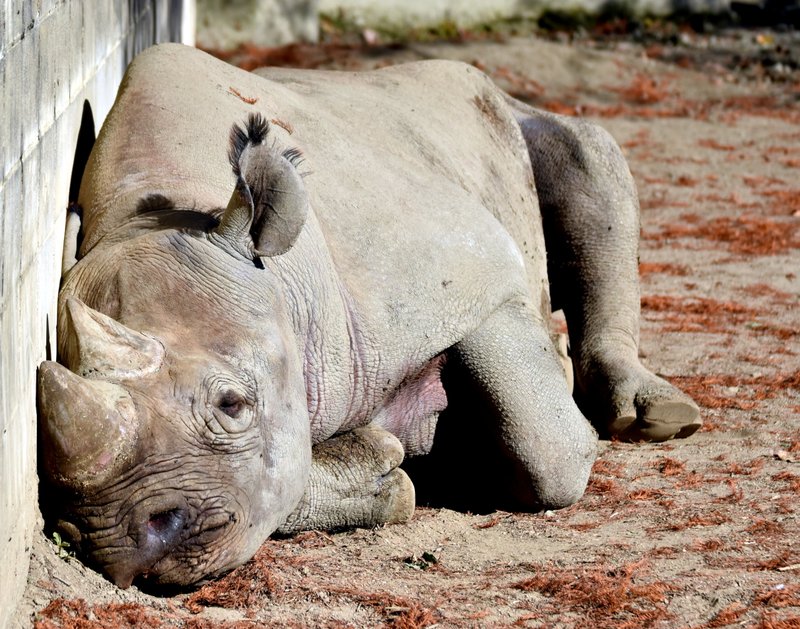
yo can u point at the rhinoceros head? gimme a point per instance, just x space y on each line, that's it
174 435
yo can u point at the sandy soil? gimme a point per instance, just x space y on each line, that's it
697 533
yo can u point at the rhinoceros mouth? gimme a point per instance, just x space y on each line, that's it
213 527
171 547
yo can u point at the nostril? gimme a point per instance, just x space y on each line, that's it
166 525
156 534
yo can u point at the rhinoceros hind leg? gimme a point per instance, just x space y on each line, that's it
642 406
590 216
355 481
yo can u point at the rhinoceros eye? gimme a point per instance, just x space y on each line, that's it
231 403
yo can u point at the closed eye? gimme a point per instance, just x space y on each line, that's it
228 407
231 403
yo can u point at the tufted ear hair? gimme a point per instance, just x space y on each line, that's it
269 205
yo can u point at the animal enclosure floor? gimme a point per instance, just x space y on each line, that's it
703 532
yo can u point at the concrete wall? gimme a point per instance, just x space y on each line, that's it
61 62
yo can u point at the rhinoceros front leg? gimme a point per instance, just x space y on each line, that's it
511 361
590 214
354 482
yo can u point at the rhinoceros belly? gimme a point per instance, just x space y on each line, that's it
413 409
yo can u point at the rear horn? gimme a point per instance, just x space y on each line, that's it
100 348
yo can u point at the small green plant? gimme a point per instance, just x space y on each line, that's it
61 547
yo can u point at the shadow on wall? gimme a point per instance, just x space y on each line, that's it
73 232
83 147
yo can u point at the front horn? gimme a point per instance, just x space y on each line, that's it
100 348
88 428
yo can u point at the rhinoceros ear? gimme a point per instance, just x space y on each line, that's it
100 348
269 205
88 429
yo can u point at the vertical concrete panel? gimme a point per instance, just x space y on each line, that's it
77 75
29 216
16 464
5 31
48 65
48 6
5 95
12 234
88 42
34 223
14 30
28 11
11 129
28 91
54 55
58 49
49 181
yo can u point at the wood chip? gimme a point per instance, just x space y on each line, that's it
794 566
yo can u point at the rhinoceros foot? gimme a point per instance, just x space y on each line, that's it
628 402
355 482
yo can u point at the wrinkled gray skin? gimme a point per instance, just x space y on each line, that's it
252 354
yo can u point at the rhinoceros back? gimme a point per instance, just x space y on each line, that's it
420 159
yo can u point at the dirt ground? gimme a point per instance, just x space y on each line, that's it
703 532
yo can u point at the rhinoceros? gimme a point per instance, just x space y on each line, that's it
273 272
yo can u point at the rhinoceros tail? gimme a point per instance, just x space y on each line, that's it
254 132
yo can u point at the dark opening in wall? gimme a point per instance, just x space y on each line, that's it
86 138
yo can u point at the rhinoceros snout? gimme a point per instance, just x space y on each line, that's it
157 535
